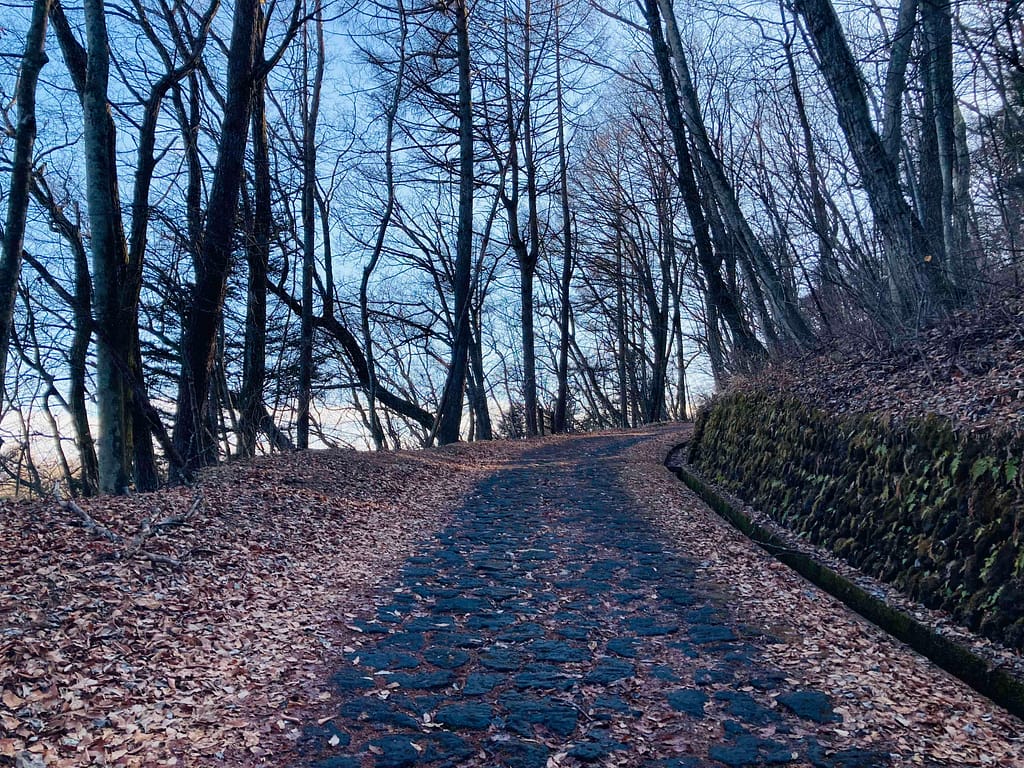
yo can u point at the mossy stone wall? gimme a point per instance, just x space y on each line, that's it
935 512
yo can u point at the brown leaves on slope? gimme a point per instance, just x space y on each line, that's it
129 662
969 368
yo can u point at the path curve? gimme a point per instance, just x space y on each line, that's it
550 625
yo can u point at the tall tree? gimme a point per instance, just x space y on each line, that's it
390 201
937 26
109 258
449 416
32 62
199 340
916 272
560 414
721 300
257 255
522 161
786 315
310 113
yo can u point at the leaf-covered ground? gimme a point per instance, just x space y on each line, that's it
891 696
969 368
133 663
226 660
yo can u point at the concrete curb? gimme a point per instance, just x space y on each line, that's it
998 684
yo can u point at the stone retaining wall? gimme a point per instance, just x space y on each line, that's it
935 512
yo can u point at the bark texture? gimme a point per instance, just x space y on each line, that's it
205 308
32 62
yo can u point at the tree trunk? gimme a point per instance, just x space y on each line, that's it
929 172
528 269
938 35
916 274
620 331
450 411
478 392
207 302
896 80
828 266
257 252
146 472
390 118
965 221
657 308
310 112
529 351
785 313
747 347
560 417
109 259
526 250
32 61
77 362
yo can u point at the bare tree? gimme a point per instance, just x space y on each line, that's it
199 340
916 274
560 414
450 410
786 315
721 300
309 113
390 118
32 61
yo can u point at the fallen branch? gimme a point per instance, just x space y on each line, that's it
158 559
87 521
147 529
174 520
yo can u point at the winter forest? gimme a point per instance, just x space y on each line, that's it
242 227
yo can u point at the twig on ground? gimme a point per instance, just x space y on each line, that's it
147 529
85 518
157 559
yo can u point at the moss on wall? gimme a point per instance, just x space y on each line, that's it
934 512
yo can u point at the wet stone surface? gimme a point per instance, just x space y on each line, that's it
550 620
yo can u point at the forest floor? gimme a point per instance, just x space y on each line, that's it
557 602
969 368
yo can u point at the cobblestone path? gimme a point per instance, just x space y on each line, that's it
548 625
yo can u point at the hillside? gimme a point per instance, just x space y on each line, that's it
902 463
969 368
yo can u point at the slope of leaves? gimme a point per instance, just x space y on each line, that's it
106 660
969 368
